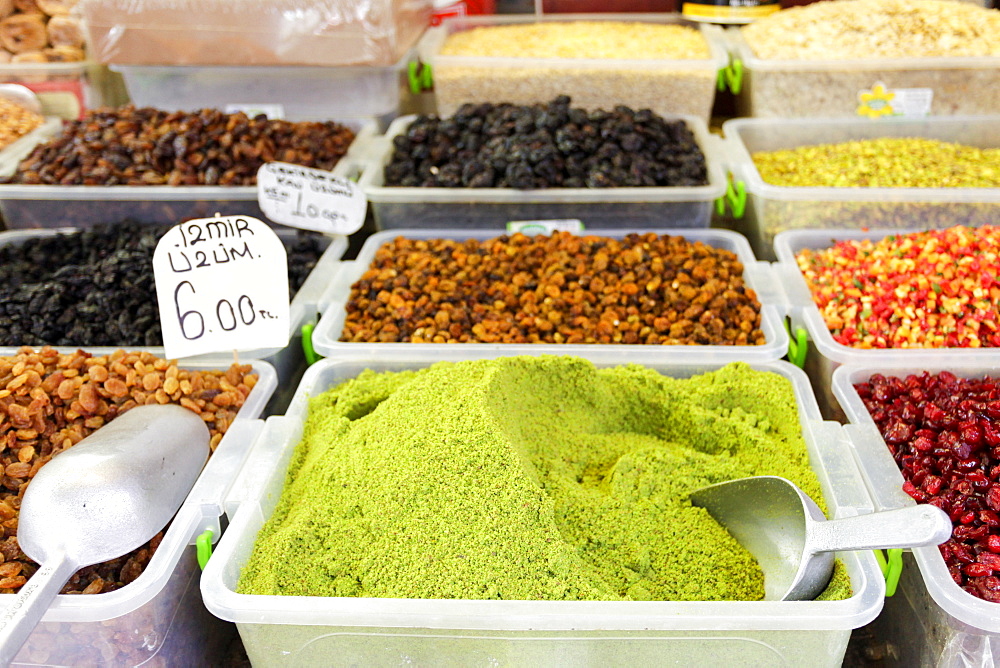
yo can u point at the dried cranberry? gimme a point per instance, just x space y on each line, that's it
976 570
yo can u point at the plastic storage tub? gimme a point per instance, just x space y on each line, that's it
814 88
284 630
805 315
668 87
27 206
756 274
396 207
772 209
302 91
132 625
953 628
288 362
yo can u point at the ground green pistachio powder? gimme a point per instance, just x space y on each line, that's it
533 478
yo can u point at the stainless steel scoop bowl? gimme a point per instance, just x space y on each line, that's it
22 96
794 543
100 499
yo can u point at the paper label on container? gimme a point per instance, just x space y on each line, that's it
571 225
880 101
272 111
222 285
310 199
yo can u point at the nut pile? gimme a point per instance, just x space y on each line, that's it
643 289
934 289
944 434
545 146
51 401
95 287
889 162
39 31
146 146
16 121
580 39
876 29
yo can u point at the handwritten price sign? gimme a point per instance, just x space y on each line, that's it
222 285
310 199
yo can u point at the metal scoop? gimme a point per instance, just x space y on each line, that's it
22 96
100 499
794 543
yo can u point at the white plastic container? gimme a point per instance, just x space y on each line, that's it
804 314
772 209
396 207
280 630
668 87
813 88
31 206
303 91
288 362
757 275
130 626
64 89
957 629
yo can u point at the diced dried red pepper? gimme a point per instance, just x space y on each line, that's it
932 289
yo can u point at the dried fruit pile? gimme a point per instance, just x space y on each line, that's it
39 31
545 146
130 146
49 402
933 289
647 288
944 433
95 287
16 121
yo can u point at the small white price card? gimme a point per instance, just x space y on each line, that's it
222 285
310 199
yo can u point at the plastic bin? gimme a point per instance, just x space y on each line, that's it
284 630
814 88
30 206
947 625
128 627
303 91
288 362
396 207
772 209
805 314
668 87
756 274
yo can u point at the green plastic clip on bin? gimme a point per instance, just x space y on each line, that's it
891 564
420 76
203 547
798 345
307 344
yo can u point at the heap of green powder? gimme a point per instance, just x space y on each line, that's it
538 478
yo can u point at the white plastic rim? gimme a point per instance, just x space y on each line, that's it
803 309
222 572
327 333
183 529
884 479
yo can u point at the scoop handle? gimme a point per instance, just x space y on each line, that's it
913 526
30 604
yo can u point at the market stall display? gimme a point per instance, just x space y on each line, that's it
658 62
51 401
903 174
489 164
620 291
871 58
566 391
158 166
